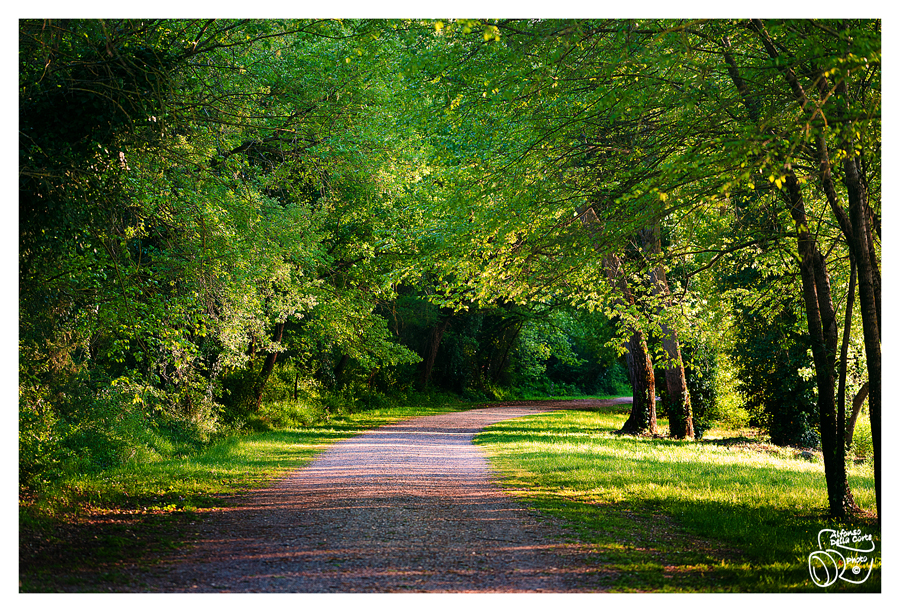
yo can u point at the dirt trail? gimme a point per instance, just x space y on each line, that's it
406 507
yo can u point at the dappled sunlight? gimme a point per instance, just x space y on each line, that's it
754 509
659 451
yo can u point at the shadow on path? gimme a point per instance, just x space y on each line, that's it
406 507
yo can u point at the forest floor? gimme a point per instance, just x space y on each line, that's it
411 506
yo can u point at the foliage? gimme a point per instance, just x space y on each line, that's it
571 350
779 398
861 447
122 424
702 375
182 204
772 357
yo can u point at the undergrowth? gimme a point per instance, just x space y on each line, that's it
288 437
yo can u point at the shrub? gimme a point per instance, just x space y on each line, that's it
729 401
40 429
774 365
290 414
701 371
103 428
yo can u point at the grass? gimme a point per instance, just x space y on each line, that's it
724 514
82 533
231 466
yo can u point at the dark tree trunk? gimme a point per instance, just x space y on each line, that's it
857 227
870 308
820 318
268 366
437 334
859 230
845 345
340 367
681 418
820 314
642 418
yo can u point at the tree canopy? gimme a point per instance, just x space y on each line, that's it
216 213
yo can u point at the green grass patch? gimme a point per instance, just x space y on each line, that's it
226 467
729 513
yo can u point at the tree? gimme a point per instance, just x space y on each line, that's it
681 421
648 121
185 203
845 57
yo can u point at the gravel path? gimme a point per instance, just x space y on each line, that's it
406 507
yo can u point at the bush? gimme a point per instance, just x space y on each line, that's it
238 392
701 371
729 401
100 429
289 414
39 432
774 365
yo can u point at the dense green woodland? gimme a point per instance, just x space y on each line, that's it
226 223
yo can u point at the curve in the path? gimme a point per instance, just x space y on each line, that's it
406 507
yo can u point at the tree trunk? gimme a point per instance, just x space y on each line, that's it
820 318
870 309
642 418
858 400
437 334
857 228
681 419
820 314
268 366
845 345
857 231
340 367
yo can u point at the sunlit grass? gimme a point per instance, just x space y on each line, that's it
720 514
